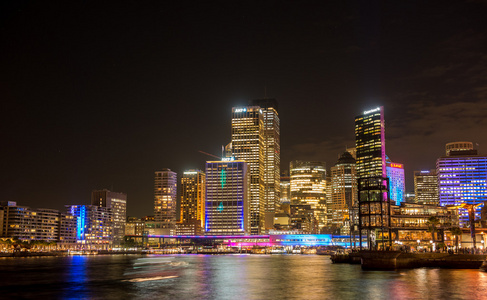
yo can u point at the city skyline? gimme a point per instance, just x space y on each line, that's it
108 106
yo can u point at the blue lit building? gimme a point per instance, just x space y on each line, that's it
227 209
462 178
397 187
94 224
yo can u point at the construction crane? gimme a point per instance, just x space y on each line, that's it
206 153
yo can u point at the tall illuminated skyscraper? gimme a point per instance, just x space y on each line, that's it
426 187
397 186
227 206
256 140
462 178
370 143
193 199
165 190
308 187
118 203
343 189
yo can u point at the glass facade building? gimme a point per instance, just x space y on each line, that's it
227 209
397 186
370 143
426 187
343 189
462 178
118 203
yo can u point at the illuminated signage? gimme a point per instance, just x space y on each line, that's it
238 110
371 111
228 158
190 173
396 165
425 172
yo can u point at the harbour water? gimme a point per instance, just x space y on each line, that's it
226 277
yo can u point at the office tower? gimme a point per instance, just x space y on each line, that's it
308 187
256 140
118 203
227 209
271 143
165 184
374 205
308 184
94 224
192 211
426 187
343 189
370 143
397 186
353 152
462 179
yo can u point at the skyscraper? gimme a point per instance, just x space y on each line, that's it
462 178
193 199
397 186
344 188
227 207
118 203
373 185
272 152
256 140
370 143
308 187
165 184
426 187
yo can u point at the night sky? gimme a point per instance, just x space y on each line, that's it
99 94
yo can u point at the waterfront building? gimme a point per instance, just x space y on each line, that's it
303 219
373 185
29 224
165 190
118 203
343 189
227 208
462 179
192 213
410 226
94 225
426 187
256 140
397 186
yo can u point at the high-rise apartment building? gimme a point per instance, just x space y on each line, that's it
193 194
343 189
165 191
370 143
256 140
462 178
227 206
30 224
397 186
118 203
426 187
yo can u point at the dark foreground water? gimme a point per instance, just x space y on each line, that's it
226 277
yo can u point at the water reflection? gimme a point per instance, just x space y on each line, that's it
226 277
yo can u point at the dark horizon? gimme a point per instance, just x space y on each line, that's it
102 95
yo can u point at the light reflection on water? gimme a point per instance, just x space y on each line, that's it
226 277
